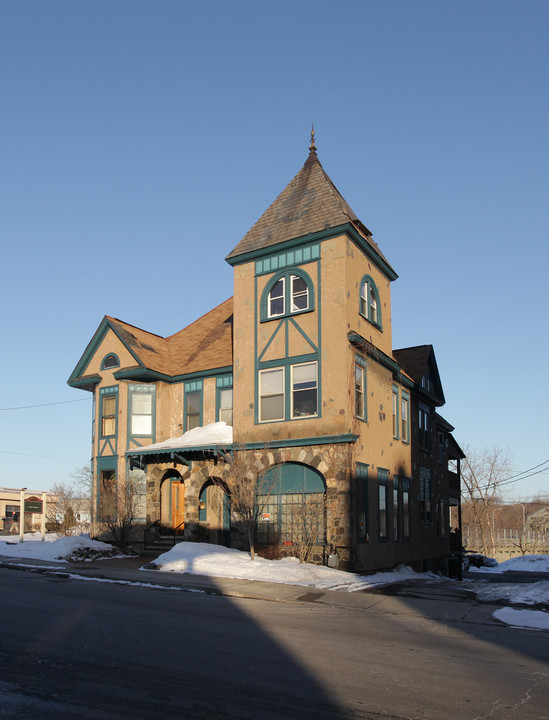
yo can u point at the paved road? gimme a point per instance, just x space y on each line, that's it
74 649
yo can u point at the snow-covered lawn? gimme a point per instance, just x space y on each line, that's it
53 547
218 561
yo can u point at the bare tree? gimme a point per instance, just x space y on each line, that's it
483 474
118 506
249 488
305 523
65 513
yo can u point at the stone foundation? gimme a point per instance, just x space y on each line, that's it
333 461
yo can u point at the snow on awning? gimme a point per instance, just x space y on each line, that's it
205 437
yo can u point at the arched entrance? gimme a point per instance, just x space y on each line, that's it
294 501
172 493
214 512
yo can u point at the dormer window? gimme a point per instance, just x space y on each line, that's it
109 362
288 293
370 306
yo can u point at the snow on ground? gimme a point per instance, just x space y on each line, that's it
53 547
532 619
218 561
522 563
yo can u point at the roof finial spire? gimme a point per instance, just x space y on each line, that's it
312 146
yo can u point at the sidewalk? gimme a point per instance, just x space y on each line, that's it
438 601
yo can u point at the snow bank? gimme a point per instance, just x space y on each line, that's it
54 547
523 563
218 561
534 620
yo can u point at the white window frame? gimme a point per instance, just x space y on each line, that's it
261 395
359 369
300 293
141 393
293 390
270 299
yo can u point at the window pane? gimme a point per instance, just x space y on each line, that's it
226 399
304 373
193 421
271 382
278 290
142 403
300 294
141 425
272 407
193 402
226 416
359 391
108 426
305 403
299 285
109 405
276 299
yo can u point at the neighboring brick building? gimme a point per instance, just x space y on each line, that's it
299 365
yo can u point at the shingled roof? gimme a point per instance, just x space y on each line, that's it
418 361
204 344
310 203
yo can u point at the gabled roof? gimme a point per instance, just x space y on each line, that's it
309 204
204 345
419 361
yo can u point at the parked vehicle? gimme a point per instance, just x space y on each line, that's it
475 559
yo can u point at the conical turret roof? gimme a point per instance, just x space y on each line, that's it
310 203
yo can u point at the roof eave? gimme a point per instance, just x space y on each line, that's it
348 229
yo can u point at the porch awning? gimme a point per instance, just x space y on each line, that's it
214 436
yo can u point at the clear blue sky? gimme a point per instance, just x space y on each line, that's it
141 140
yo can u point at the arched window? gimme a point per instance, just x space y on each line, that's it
295 502
110 361
287 293
370 306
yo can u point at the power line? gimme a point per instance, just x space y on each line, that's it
47 457
524 475
63 402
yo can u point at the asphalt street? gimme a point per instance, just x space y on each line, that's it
78 645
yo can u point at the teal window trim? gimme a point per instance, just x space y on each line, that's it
383 504
223 385
361 395
133 390
425 500
362 503
110 361
105 470
289 483
191 388
396 412
424 424
286 294
397 509
369 303
405 416
406 504
287 366
106 394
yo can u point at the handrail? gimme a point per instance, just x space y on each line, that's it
176 529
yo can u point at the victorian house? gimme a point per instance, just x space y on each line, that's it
295 374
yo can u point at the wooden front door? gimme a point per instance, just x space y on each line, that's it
178 505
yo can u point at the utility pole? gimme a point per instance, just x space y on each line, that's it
22 515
